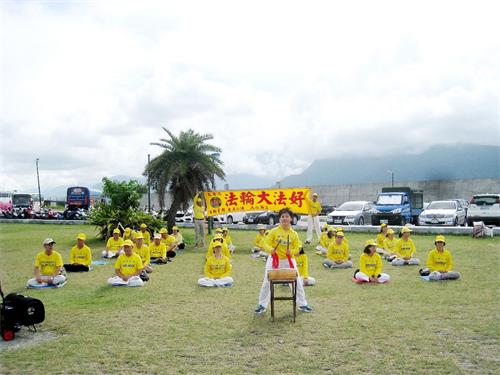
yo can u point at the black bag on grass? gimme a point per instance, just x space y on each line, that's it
22 310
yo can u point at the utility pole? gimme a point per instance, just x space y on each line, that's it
38 179
149 186
392 178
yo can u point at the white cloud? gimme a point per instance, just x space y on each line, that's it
87 86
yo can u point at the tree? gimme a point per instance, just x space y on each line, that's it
123 195
186 166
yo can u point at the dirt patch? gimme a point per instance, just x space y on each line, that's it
26 338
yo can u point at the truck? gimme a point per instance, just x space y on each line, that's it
398 206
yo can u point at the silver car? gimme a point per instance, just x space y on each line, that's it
443 213
352 213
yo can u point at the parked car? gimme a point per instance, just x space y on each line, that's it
352 213
265 217
485 208
464 203
230 218
443 213
398 205
326 209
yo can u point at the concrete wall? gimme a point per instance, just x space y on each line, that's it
433 190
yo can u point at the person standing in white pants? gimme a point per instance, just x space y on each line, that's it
128 267
370 265
199 222
313 218
282 243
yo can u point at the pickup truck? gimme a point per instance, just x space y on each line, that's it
398 206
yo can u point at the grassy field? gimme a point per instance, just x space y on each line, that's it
173 326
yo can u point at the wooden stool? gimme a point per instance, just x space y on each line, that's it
283 277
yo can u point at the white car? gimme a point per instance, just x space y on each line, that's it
352 213
485 208
230 218
443 213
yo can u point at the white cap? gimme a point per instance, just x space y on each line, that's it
48 241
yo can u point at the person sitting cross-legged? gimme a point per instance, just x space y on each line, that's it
178 237
128 267
258 249
143 251
440 263
48 267
158 250
217 270
170 243
228 240
405 249
303 267
80 256
370 265
114 244
326 238
338 253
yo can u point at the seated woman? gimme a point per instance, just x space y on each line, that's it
178 237
321 248
303 268
440 263
390 243
143 251
405 248
228 240
114 244
80 256
127 234
217 269
158 250
370 265
128 267
338 253
48 267
325 240
218 240
258 243
170 243
282 243
382 234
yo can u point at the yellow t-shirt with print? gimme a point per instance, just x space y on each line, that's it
144 253
338 253
405 248
48 263
216 268
282 239
169 241
129 265
114 245
159 251
370 265
437 261
80 256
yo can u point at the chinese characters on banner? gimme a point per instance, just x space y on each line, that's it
226 201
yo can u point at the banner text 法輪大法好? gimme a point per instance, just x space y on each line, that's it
226 201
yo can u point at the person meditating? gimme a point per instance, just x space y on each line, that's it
128 267
217 270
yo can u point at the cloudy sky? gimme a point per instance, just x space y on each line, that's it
85 86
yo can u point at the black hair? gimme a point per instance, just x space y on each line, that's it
285 210
435 243
302 251
366 250
328 234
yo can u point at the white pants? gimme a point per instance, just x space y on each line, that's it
323 249
108 254
133 281
265 289
332 264
313 222
257 252
364 277
402 262
224 281
451 275
199 231
310 281
231 248
59 279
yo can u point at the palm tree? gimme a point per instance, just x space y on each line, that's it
187 166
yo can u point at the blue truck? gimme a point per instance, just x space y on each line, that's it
398 206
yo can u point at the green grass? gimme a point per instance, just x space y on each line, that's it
173 326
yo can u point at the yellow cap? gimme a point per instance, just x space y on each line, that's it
116 230
325 225
81 236
331 229
128 243
225 229
315 194
370 243
143 225
339 234
217 237
138 236
383 225
163 230
127 230
218 230
175 227
390 231
406 230
339 230
440 238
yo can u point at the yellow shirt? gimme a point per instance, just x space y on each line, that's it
144 253
129 265
114 245
178 238
338 253
282 239
225 250
80 256
370 265
159 251
390 245
314 207
405 248
437 261
380 240
199 212
325 241
127 236
216 268
302 265
48 263
228 239
259 240
147 237
168 241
